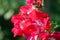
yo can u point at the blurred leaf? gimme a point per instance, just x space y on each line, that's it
8 14
1 11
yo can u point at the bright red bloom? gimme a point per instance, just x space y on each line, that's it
31 2
33 37
25 10
42 18
15 18
52 36
30 28
31 25
56 35
44 35
17 31
35 14
39 2
46 21
31 22
20 27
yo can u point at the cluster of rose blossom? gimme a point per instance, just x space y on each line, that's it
32 23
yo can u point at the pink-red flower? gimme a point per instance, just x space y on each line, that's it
31 23
42 19
31 2
35 23
39 2
23 27
44 35
31 28
50 36
15 18
56 35
33 37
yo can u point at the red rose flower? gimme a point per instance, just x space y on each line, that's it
32 23
46 20
25 10
53 36
43 19
17 30
35 14
15 18
31 2
39 2
33 37
56 35
44 35
30 27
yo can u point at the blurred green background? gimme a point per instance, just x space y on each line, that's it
11 7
